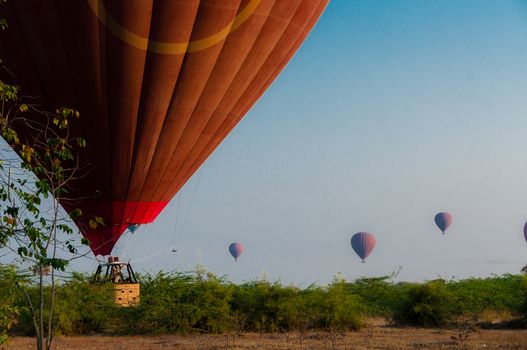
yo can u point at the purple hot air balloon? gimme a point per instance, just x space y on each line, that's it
236 250
443 220
363 244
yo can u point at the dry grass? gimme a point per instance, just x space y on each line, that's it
375 337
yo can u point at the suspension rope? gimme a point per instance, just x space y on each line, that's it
192 198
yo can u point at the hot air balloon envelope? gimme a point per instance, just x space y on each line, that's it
236 249
443 221
132 228
363 244
158 84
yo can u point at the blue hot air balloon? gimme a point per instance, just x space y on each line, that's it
133 227
363 244
236 249
443 221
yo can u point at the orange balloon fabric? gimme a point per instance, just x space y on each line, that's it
158 83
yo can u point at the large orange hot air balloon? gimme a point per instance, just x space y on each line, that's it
159 84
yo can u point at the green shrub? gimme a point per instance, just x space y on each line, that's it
82 307
257 302
201 302
9 295
184 303
380 297
344 310
497 294
427 305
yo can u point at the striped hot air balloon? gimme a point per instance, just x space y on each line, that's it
158 84
443 221
363 244
236 249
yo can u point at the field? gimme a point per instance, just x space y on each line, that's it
367 338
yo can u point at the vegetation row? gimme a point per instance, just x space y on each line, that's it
200 302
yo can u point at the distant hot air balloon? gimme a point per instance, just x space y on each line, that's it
525 231
363 244
133 227
443 221
158 84
236 249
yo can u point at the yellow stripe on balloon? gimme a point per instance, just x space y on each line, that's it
169 48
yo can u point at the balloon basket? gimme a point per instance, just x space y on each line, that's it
121 275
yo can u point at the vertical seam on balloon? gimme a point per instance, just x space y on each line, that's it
139 109
197 101
167 115
68 60
172 97
294 47
68 57
105 78
296 44
127 167
205 153
103 109
28 47
178 182
256 38
191 114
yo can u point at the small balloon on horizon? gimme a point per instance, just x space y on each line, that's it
133 227
443 220
236 249
363 244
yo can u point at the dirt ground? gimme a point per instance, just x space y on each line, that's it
369 338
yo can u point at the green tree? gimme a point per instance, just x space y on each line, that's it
33 226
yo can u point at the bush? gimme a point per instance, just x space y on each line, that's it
255 303
497 294
427 305
343 310
182 303
83 307
201 302
9 295
380 297
80 307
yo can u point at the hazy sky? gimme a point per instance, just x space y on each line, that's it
390 112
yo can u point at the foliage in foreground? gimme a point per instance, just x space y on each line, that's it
201 302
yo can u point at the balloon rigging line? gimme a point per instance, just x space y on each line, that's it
176 222
151 255
185 220
133 240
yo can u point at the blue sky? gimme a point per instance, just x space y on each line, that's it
390 112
